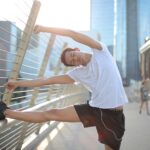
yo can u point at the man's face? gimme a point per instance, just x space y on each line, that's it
74 58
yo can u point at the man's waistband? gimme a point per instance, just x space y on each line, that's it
120 108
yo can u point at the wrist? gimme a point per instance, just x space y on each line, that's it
20 83
41 29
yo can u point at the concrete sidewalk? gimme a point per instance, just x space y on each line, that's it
137 136
72 136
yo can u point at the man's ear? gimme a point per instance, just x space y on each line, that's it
76 49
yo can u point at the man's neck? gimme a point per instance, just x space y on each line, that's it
87 58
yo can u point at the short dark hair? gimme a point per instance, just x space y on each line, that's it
63 60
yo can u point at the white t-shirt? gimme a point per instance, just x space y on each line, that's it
102 78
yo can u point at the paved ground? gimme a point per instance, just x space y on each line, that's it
75 137
137 135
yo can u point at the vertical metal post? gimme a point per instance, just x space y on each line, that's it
43 67
23 46
57 69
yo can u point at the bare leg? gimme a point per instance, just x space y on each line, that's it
108 148
147 108
67 114
141 106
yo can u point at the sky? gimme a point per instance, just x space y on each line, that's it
73 14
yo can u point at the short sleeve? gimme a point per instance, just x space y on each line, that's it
76 74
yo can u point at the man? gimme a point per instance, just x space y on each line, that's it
98 72
144 96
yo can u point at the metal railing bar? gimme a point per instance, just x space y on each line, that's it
21 10
28 5
8 52
30 60
31 125
14 131
20 103
23 78
9 137
32 74
42 41
44 88
3 78
21 21
9 33
28 51
21 97
41 98
6 60
7 144
14 144
6 70
7 42
22 91
31 131
30 67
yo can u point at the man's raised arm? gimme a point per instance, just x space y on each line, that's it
79 37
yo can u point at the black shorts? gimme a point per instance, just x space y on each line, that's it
110 124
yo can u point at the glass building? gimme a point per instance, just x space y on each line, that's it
102 19
119 50
108 18
138 28
123 26
143 21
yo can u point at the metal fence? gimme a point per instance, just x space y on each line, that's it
26 56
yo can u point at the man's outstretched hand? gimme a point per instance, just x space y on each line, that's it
37 28
3 107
